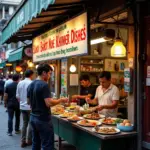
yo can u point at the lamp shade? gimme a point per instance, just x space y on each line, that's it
18 69
118 49
73 68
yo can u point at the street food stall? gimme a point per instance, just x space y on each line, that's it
81 43
83 127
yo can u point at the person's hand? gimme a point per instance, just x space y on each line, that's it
99 108
88 100
64 100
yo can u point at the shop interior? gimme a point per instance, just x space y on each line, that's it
102 57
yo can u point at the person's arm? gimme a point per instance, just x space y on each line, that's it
112 106
51 102
92 101
18 93
47 97
81 96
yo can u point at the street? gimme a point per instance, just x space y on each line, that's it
13 142
8 142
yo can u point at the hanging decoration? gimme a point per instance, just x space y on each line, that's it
118 49
18 69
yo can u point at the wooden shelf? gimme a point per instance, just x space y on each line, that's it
92 64
92 71
116 71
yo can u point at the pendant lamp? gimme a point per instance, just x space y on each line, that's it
72 67
118 49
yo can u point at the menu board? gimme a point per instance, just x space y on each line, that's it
64 77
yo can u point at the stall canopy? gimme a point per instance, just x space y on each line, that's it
33 15
2 65
16 55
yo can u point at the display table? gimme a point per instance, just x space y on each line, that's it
84 139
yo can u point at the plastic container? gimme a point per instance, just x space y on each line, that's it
125 128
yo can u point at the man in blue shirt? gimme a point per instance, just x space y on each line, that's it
39 97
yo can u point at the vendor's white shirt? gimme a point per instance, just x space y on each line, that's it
21 93
106 98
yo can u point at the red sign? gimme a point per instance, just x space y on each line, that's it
28 52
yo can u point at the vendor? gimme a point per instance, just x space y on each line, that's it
87 90
107 96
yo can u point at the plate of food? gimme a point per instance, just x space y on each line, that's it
88 123
106 130
75 118
57 110
67 114
112 121
93 116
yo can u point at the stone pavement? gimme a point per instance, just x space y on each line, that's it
8 142
13 142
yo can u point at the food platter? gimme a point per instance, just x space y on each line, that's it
88 123
106 130
67 114
57 110
93 116
75 118
111 121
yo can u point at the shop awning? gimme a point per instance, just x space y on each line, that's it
16 55
33 15
2 65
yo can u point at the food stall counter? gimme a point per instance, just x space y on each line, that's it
83 138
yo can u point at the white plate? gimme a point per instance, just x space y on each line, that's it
80 118
117 131
100 117
98 123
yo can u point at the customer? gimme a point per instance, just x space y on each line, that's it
41 101
21 95
12 105
7 82
2 89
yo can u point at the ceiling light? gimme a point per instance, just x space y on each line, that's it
99 40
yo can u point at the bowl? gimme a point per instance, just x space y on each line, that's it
125 128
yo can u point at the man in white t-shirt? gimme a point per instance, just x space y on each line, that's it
21 95
106 97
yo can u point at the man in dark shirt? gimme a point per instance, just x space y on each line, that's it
12 105
87 90
38 94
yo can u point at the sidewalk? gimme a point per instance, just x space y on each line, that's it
8 142
13 142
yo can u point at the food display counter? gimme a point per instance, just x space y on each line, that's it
83 138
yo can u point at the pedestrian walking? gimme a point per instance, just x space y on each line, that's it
7 82
12 105
40 100
2 89
21 95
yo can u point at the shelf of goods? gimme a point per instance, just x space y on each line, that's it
92 65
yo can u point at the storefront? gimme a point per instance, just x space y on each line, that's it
74 42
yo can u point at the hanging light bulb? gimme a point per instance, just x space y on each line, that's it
73 68
30 64
21 72
36 66
52 67
118 49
